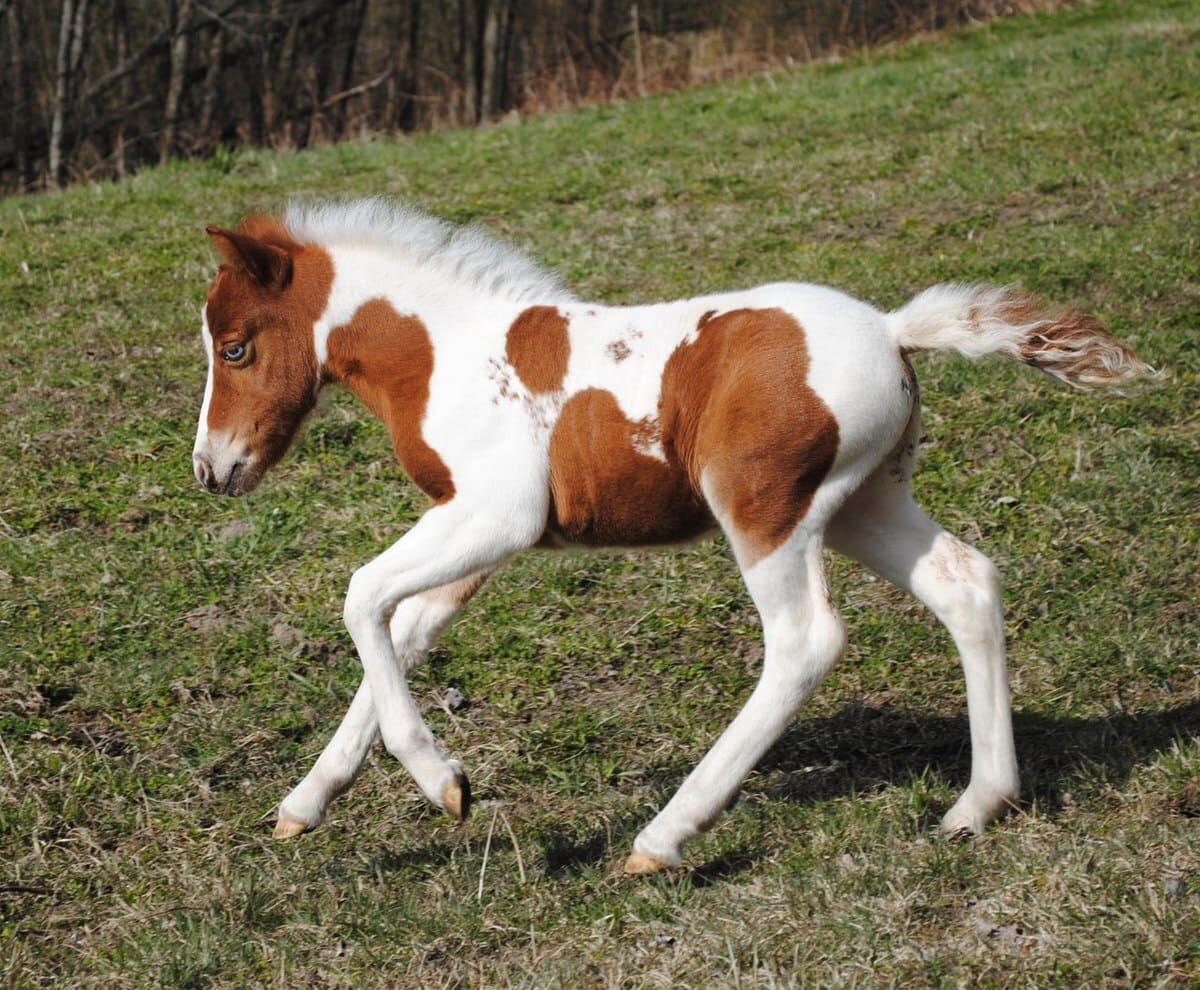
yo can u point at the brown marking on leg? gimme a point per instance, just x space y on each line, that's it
605 491
387 360
458 593
736 407
538 347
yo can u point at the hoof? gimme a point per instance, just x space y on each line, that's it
289 828
639 865
456 797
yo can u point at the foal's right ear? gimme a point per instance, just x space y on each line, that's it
268 265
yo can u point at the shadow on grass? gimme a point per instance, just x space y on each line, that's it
863 748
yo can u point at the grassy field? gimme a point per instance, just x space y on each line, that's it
171 663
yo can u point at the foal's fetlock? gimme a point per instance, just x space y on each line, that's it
301 811
289 824
974 811
651 856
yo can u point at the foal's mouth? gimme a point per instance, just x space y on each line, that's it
241 479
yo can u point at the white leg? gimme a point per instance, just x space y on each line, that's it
335 769
883 528
449 543
415 627
803 637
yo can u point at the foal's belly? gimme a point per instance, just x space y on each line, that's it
606 486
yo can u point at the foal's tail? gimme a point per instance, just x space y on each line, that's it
979 319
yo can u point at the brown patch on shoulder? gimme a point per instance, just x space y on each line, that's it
737 408
538 348
387 360
605 492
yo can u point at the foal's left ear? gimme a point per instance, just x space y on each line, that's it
268 265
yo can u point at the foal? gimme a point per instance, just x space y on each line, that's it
786 415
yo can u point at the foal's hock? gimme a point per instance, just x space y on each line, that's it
786 415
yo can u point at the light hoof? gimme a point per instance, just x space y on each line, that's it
640 865
456 797
289 828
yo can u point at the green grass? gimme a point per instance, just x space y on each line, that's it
171 663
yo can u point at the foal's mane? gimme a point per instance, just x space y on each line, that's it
467 255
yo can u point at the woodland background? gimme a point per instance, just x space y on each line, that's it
97 88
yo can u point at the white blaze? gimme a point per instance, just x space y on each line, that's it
202 427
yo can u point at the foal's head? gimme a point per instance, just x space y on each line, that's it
263 376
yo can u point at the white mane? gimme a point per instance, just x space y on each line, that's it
467 254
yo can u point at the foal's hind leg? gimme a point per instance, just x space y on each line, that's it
803 638
883 528
416 625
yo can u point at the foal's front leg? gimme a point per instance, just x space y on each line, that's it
451 542
415 627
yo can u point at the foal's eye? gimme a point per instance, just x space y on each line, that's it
234 352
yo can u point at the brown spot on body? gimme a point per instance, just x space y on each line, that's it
618 350
604 492
737 409
266 297
538 348
387 360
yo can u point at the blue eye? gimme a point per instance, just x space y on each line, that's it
234 352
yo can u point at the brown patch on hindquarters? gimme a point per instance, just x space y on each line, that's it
737 409
387 360
539 348
605 491
266 297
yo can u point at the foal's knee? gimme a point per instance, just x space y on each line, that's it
802 649
362 609
966 586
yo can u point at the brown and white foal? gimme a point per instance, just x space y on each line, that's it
786 415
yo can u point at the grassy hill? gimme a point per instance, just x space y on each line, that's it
171 663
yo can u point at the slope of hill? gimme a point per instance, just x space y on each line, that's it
171 663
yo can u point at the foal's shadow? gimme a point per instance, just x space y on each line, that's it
862 748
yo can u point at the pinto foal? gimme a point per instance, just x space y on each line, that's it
786 415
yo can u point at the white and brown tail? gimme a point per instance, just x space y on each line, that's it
977 320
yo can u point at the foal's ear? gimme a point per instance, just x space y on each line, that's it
268 265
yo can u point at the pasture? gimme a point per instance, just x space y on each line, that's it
171 663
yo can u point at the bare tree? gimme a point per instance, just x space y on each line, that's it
181 15
168 77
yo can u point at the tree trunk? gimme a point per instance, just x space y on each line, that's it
212 76
468 60
357 16
410 76
493 73
121 31
179 58
20 97
62 69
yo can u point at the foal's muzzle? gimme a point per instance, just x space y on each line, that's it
236 478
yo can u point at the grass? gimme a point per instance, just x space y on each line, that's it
172 663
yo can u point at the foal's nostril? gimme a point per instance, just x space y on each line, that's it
204 472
